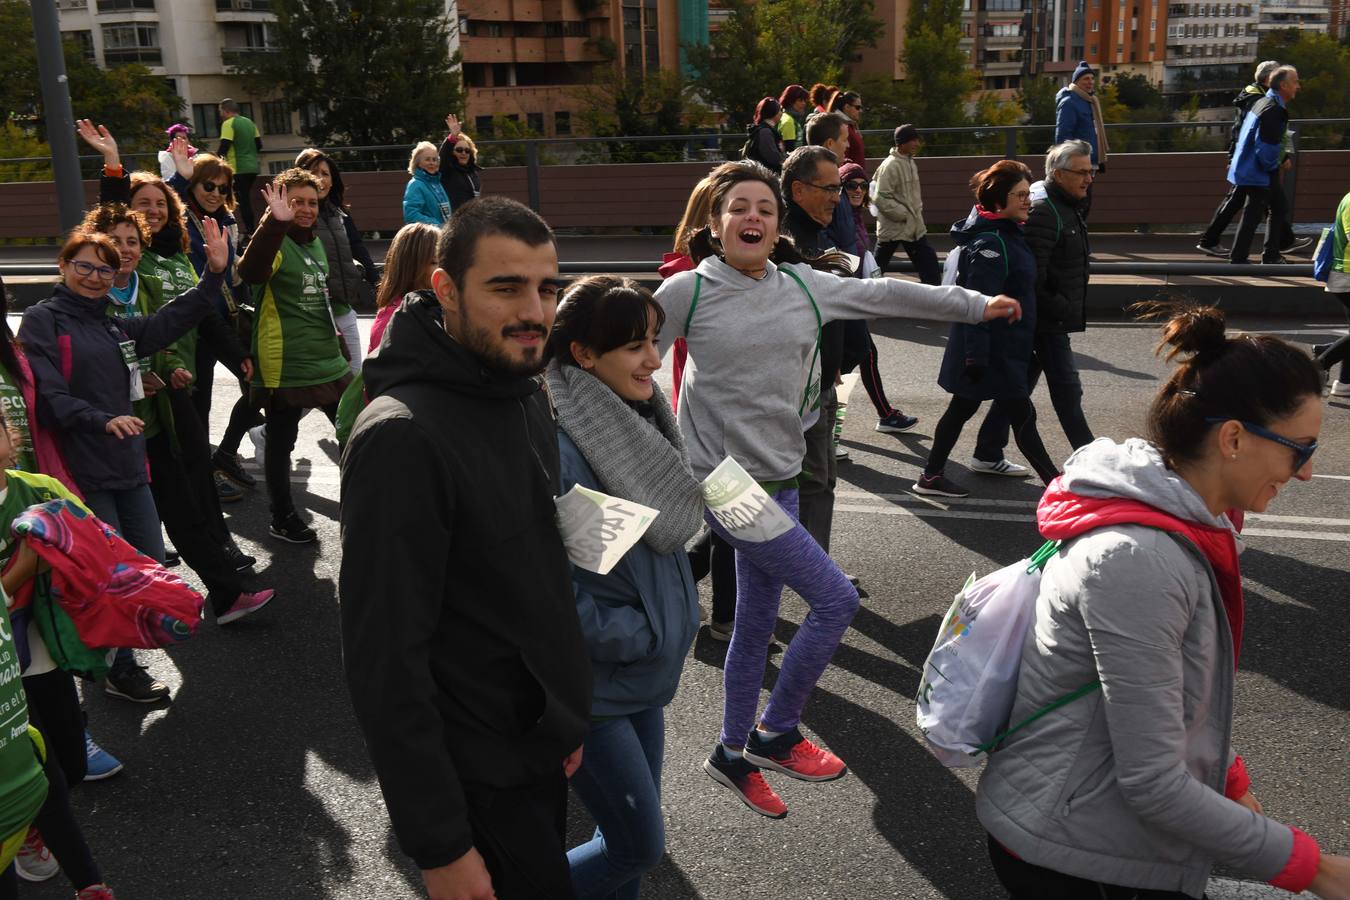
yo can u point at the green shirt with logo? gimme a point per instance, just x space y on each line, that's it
295 341
243 137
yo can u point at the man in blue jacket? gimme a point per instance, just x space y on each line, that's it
1258 159
1078 117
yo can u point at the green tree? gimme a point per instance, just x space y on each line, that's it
1324 79
1136 92
938 77
135 105
19 143
616 104
377 71
764 46
1037 99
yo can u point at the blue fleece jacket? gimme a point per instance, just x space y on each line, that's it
424 200
1260 143
1073 120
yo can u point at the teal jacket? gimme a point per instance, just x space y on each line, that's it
424 200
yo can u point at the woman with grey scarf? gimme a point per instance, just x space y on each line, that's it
617 434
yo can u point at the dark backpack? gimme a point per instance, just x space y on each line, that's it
751 148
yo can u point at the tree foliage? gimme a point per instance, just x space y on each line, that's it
1037 99
1323 70
135 105
938 76
618 104
765 45
376 71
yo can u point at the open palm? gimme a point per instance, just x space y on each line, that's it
278 202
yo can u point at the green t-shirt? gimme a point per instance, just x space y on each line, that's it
177 275
23 786
16 416
295 341
243 153
22 490
787 127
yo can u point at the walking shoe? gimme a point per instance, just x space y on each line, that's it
291 528
1299 245
34 861
793 755
746 782
226 490
1277 261
1213 250
248 602
939 486
101 763
1002 467
232 467
840 453
721 632
1340 388
258 435
238 558
171 558
136 685
896 422
95 892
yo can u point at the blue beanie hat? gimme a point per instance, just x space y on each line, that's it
1083 69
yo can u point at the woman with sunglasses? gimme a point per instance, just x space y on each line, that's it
850 104
1133 790
990 361
459 165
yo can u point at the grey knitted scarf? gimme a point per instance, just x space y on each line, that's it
633 458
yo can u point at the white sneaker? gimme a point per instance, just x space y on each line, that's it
258 435
1002 467
1340 388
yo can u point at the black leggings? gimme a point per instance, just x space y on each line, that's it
712 554
1339 351
871 379
283 427
54 710
243 417
1025 881
1019 413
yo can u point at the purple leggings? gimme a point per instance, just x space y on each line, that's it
794 559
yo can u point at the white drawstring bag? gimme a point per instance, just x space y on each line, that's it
969 680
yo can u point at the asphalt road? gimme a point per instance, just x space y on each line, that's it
253 782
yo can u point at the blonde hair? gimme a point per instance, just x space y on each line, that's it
416 152
697 214
411 251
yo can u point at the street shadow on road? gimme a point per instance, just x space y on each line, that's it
1301 647
1094 364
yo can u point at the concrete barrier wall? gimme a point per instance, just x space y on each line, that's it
1138 188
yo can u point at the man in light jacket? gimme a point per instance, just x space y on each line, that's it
899 207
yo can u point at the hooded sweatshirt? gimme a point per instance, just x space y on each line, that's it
464 657
1133 784
755 348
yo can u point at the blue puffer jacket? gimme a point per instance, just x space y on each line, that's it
639 620
424 200
1260 143
996 260
1073 120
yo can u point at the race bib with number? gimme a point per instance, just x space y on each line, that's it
129 357
741 506
598 529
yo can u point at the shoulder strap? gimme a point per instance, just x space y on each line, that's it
815 355
1059 221
1006 267
693 304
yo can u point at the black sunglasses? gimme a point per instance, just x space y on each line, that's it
212 188
854 185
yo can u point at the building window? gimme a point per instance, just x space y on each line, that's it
276 117
82 39
311 114
483 125
562 122
205 120
1094 27
535 122
131 43
118 5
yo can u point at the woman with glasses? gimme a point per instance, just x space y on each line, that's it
850 104
1134 789
991 361
459 165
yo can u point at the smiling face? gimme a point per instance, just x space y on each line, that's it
463 155
1263 466
87 273
856 191
1019 202
625 370
1087 82
128 240
321 171
210 193
150 202
503 311
1076 177
429 161
304 201
819 196
747 224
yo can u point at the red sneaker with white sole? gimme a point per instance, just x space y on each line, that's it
794 756
746 782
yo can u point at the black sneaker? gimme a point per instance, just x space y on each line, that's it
291 528
238 558
746 782
939 486
1213 250
171 559
136 685
232 467
1299 245
896 423
226 490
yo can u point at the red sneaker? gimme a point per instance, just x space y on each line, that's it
746 782
793 755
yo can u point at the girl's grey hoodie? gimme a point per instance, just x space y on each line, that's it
754 363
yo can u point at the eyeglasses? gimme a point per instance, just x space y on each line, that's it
854 185
1082 173
832 189
1302 452
462 152
212 187
86 269
1020 195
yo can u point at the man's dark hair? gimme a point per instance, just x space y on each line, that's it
228 105
802 165
1280 76
483 217
822 127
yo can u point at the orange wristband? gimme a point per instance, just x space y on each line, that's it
113 171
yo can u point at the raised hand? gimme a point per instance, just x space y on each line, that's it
452 123
101 140
1002 307
178 149
217 244
277 202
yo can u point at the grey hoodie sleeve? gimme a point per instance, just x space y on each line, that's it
676 296
1137 607
874 298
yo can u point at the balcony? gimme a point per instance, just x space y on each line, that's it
264 6
573 49
150 56
1002 41
234 54
487 49
105 6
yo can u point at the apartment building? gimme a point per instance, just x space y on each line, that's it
1305 15
1211 51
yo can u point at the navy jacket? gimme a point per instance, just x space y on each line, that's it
1073 120
639 620
995 260
80 388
